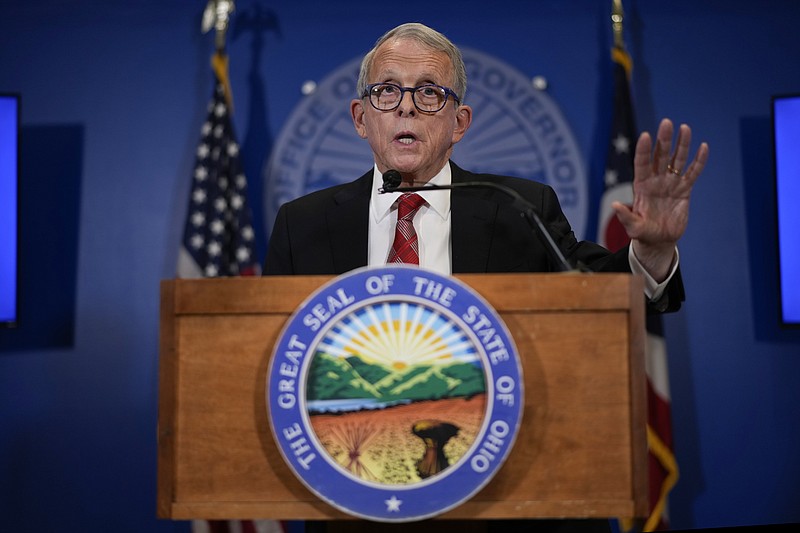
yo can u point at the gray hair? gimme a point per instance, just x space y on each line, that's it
427 37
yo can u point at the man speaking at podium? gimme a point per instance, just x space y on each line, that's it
411 110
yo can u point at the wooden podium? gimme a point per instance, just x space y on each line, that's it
581 450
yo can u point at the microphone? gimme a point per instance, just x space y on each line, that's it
392 181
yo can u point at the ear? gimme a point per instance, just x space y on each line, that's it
357 113
463 120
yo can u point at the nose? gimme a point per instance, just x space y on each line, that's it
406 106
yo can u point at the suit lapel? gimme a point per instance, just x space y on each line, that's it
348 225
473 214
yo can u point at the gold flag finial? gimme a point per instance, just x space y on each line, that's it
617 15
216 15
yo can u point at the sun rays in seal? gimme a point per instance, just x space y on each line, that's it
398 335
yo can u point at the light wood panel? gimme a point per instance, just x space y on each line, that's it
580 451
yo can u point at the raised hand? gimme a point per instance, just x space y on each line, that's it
661 190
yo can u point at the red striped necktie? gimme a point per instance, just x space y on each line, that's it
405 248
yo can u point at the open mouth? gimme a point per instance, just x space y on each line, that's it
405 138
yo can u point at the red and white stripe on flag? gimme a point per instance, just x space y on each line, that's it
663 468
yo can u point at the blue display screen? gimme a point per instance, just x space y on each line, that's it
786 121
9 131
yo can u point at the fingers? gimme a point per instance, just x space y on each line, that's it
698 164
663 147
641 158
658 160
681 154
661 158
626 217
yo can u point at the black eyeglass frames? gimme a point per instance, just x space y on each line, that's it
428 98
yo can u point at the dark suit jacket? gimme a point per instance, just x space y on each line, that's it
326 232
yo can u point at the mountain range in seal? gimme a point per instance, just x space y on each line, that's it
335 378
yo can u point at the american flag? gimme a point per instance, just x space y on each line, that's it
663 469
218 238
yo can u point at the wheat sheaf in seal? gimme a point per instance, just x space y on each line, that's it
395 393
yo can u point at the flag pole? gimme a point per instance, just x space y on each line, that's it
217 15
618 52
617 17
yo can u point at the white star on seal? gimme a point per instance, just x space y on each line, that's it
393 504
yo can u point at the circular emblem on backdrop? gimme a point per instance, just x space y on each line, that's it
394 394
517 130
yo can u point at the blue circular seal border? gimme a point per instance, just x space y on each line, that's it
286 393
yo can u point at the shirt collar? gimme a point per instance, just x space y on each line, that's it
381 205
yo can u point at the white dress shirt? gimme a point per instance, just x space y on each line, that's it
432 224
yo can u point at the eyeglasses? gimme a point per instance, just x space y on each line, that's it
427 98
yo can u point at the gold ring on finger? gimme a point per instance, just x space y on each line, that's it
673 170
